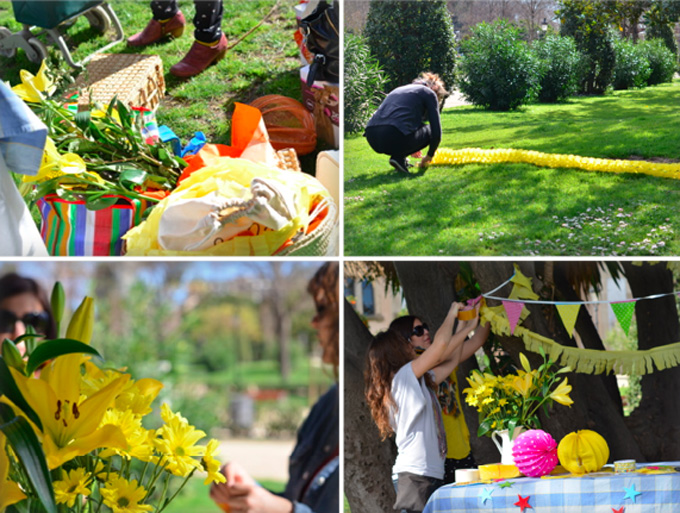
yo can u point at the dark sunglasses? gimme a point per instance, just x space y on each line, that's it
38 320
419 330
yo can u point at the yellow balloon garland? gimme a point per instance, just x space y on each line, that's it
554 160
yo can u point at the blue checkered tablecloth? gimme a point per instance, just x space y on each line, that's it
600 493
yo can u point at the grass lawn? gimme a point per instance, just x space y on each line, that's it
520 209
265 62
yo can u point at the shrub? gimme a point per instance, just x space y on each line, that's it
632 67
662 61
364 82
410 37
561 67
498 71
587 21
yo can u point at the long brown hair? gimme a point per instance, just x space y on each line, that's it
326 279
387 353
404 325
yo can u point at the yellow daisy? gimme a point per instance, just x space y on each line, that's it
177 443
123 496
211 465
76 483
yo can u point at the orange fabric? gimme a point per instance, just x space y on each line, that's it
156 194
244 130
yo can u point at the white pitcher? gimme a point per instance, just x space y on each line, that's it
504 444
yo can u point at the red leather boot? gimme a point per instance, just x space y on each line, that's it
200 56
155 30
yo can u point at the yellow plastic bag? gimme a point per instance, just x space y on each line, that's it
230 178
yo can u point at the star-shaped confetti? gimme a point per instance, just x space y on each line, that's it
506 484
631 493
620 510
486 494
523 502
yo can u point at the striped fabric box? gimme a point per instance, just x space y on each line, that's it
70 229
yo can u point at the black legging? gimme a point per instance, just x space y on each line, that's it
390 141
207 21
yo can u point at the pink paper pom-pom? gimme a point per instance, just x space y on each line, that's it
535 453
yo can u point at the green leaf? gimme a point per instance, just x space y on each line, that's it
512 424
82 120
484 428
26 446
131 177
53 348
99 203
9 388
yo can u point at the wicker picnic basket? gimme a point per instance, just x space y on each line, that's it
319 241
136 80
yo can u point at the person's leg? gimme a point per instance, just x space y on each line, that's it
211 43
167 20
389 140
163 9
208 21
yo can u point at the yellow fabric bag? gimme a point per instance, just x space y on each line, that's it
231 179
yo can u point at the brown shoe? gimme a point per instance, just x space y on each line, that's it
155 31
200 56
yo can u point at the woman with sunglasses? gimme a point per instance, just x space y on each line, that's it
457 435
23 303
400 391
314 472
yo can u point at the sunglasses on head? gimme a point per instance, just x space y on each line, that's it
38 320
419 330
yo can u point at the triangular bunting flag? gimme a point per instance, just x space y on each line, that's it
513 309
569 313
624 313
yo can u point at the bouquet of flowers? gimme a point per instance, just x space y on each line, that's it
506 402
71 433
95 154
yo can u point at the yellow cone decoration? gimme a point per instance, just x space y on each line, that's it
583 451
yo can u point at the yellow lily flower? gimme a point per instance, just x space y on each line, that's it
10 493
523 384
525 362
71 423
54 164
561 394
32 87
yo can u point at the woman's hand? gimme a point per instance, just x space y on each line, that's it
242 494
425 162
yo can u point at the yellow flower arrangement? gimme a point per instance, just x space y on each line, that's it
505 402
72 430
554 160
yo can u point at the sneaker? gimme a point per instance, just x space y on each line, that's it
155 31
200 56
400 165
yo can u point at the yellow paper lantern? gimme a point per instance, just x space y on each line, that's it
583 451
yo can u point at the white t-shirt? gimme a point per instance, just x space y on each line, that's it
415 426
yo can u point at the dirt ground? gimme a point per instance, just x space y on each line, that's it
263 459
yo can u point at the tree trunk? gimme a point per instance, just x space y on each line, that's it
593 407
368 461
655 423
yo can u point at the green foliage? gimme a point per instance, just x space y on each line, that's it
588 21
409 37
660 19
632 69
662 61
364 83
560 67
498 71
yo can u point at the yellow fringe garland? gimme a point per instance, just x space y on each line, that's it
555 160
586 361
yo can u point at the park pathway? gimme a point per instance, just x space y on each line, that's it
263 459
